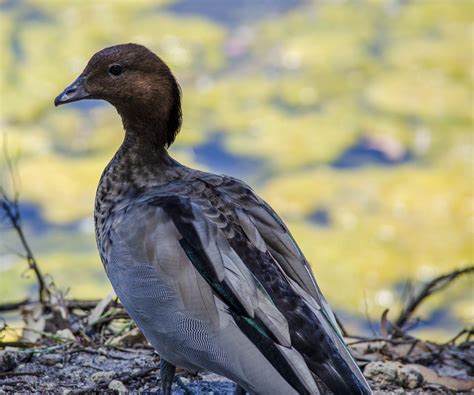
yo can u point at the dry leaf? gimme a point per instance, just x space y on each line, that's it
100 308
383 324
452 383
34 322
65 334
128 339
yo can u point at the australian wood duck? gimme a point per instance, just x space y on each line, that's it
204 266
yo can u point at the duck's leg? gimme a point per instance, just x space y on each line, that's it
239 390
167 372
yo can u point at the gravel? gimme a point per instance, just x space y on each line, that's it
71 369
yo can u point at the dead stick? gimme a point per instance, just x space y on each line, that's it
341 326
70 304
14 306
81 304
380 339
431 287
17 344
13 214
5 374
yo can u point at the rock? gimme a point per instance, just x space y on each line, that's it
410 378
8 360
117 385
99 377
65 334
394 373
50 359
382 372
101 359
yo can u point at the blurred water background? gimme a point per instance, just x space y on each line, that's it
352 118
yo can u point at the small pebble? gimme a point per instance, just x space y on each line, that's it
98 377
117 385
65 334
101 358
410 378
50 359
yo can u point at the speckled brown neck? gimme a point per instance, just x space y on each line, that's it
138 165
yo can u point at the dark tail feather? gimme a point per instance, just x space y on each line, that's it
337 369
338 382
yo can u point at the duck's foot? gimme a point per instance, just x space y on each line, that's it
167 371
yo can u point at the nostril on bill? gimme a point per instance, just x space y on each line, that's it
70 90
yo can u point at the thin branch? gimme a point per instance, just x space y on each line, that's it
6 374
435 285
15 180
81 304
380 339
12 211
367 315
17 344
14 306
341 326
455 338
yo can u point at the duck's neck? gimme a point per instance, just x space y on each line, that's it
140 149
145 135
142 161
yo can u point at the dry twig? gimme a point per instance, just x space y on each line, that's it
435 285
12 211
14 306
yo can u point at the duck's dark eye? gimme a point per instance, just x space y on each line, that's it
115 69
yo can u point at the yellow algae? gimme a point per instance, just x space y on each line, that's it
63 187
296 140
419 93
12 267
421 16
64 266
450 54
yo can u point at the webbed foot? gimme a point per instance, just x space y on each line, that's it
167 371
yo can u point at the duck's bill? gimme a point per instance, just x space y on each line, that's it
74 92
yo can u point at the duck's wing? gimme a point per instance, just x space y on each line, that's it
262 219
178 221
266 230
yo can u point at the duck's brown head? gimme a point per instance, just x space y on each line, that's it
138 84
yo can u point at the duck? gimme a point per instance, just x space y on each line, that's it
204 266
